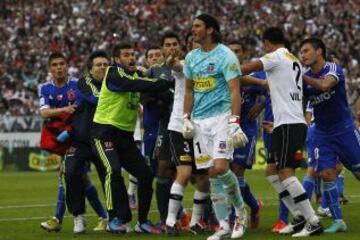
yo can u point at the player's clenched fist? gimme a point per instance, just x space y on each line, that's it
188 130
237 137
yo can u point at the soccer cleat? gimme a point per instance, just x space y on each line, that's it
337 226
161 226
255 216
185 219
116 226
240 225
220 234
197 229
79 224
171 231
280 224
51 225
296 225
146 227
310 230
132 202
101 225
324 212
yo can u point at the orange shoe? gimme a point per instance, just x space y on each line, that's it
255 217
185 220
280 224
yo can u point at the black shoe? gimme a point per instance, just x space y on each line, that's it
171 231
197 229
310 230
298 223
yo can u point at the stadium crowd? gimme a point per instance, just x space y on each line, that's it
30 30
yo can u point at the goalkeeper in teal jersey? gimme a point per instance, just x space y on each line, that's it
211 116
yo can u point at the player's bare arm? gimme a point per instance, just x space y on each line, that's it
252 67
324 84
54 112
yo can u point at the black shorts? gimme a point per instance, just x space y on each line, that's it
162 146
182 151
287 145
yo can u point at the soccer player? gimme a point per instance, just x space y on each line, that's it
252 97
80 153
182 153
211 116
284 75
335 135
58 98
112 133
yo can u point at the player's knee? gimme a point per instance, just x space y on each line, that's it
238 169
270 170
311 172
183 176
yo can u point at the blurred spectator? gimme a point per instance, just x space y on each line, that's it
29 30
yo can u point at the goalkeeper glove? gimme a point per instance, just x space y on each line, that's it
237 137
188 130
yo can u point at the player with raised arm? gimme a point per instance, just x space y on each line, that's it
335 135
112 133
212 117
284 75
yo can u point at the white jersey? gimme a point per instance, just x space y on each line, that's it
176 119
284 73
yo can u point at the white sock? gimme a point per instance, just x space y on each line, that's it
176 196
297 192
287 199
200 199
133 182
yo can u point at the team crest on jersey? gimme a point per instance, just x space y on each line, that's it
108 145
59 97
222 146
71 95
211 68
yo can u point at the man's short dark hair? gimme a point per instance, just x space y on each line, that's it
117 49
237 42
55 55
169 35
316 43
151 47
96 54
274 35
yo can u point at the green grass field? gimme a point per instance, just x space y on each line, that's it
27 198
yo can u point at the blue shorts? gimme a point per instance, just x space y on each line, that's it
245 156
343 146
310 146
267 145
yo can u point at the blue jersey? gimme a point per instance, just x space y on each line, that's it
210 73
52 96
249 96
331 110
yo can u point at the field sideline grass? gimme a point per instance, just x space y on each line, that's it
27 198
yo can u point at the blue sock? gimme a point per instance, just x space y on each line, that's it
318 186
93 198
340 184
284 212
332 196
60 203
309 184
324 202
247 195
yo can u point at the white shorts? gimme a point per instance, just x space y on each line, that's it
210 140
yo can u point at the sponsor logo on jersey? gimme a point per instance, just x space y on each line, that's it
222 146
185 158
204 84
321 97
202 159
